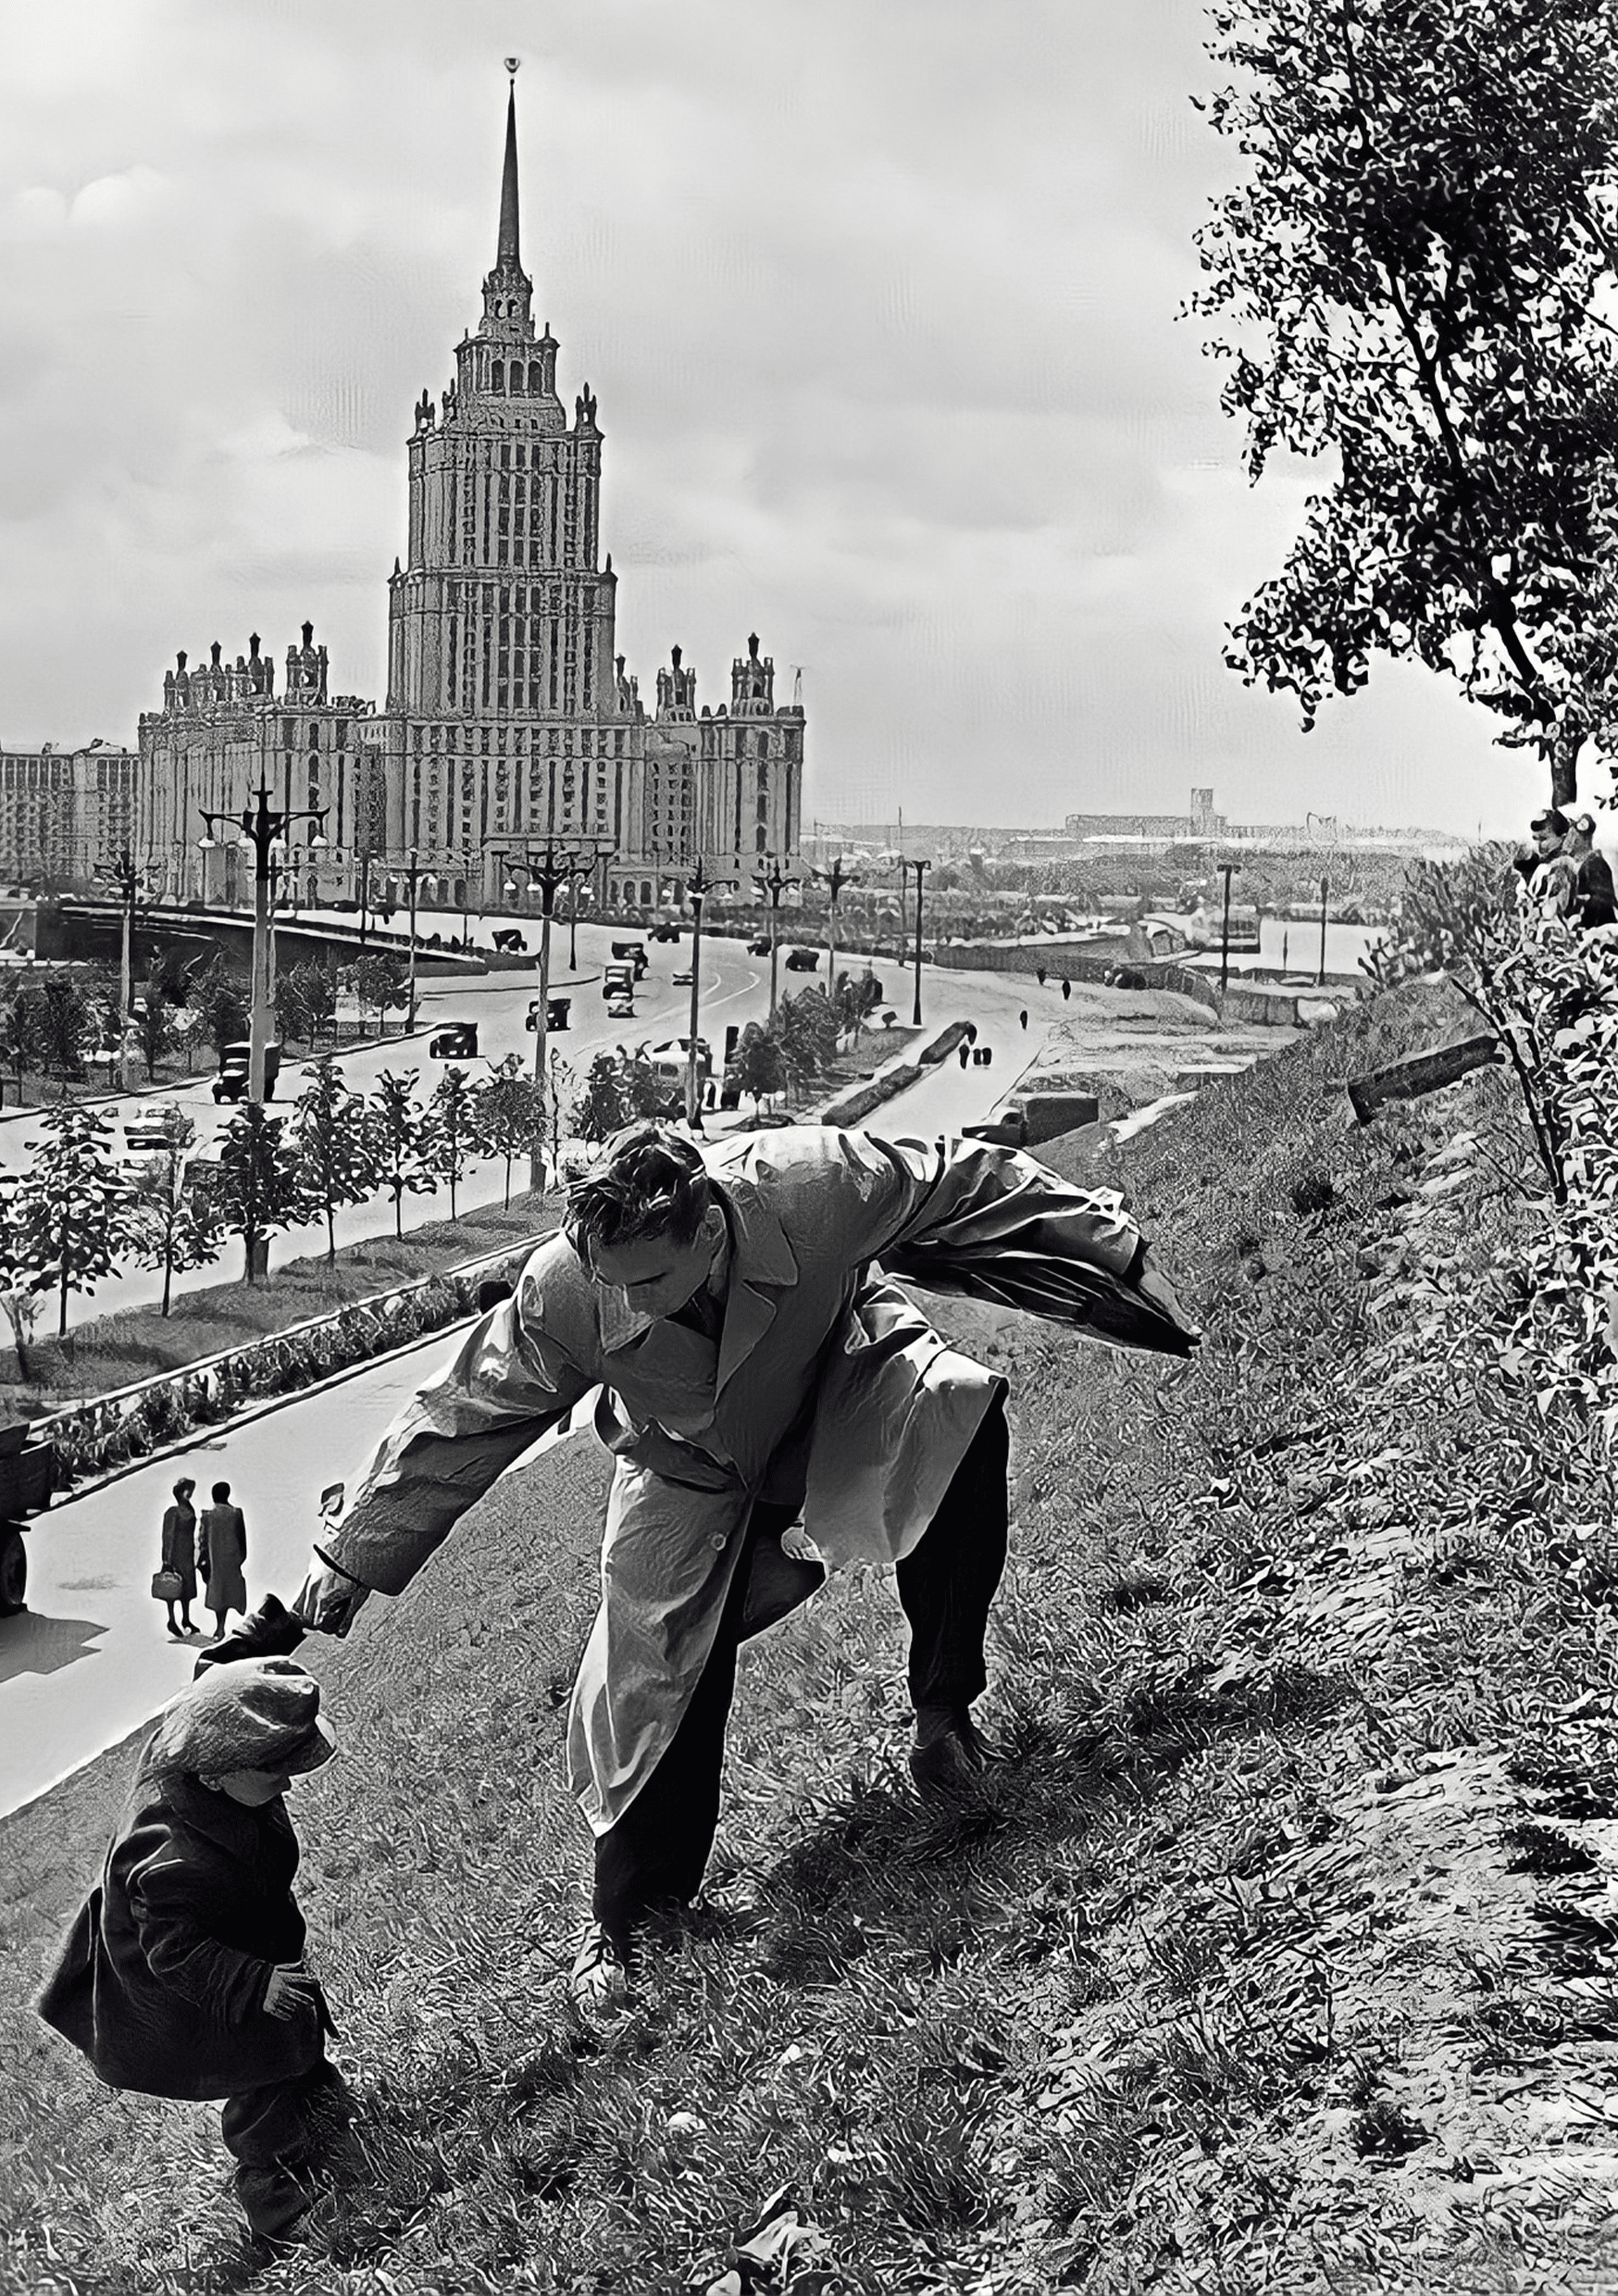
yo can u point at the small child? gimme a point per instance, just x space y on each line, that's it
184 1973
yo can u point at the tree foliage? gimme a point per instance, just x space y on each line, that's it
1415 276
335 1144
401 1131
172 1226
450 1139
507 1110
72 1207
259 1189
758 1067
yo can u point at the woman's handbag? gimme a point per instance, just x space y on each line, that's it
167 1586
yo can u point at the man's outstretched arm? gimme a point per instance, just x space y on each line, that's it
511 1381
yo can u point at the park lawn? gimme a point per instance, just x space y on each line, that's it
113 1351
1272 1955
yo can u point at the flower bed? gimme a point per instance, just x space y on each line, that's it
101 1437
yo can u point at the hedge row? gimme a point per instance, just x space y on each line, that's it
99 1437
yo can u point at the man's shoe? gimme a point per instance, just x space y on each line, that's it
599 1987
947 1762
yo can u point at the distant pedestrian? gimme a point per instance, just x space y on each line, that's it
1594 902
179 1555
222 1552
1023 1019
966 1054
1066 990
184 1973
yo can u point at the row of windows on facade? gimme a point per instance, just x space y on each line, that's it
45 772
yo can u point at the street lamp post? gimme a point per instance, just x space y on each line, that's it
413 870
550 869
698 886
260 824
364 895
1228 869
126 879
1325 887
918 866
834 880
774 884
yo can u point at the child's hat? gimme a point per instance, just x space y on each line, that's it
261 1714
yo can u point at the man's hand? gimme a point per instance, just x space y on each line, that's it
289 1991
328 1599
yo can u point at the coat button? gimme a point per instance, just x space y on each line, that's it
718 1542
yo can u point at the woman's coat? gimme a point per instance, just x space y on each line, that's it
828 1390
180 1547
223 1550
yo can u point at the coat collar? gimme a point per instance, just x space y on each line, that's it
761 1264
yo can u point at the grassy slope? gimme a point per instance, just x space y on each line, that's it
1265 1964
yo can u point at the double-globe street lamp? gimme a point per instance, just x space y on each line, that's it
772 883
124 878
919 867
834 879
698 886
261 825
550 866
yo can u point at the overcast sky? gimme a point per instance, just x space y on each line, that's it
877 297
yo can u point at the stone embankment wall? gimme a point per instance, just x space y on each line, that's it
1247 1000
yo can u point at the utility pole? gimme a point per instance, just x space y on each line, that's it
773 884
126 879
413 866
918 866
261 826
1325 887
364 895
1228 869
698 886
549 868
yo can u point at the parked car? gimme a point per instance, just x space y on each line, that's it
802 960
235 1065
457 1039
557 1012
635 951
666 932
510 942
761 947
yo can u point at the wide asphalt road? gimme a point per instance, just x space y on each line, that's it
734 989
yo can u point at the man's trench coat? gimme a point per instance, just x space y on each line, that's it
828 1390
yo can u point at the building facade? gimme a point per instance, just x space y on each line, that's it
510 721
65 813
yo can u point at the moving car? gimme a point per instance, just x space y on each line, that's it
635 951
558 1010
146 1128
235 1064
802 960
666 932
510 942
457 1039
683 980
621 1008
618 981
761 947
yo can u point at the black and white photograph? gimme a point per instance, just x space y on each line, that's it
808 1144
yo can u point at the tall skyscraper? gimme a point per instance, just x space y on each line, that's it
510 719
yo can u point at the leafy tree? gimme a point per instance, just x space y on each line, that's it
807 1028
1416 276
258 1191
220 998
23 1032
373 980
173 1227
19 1302
400 1129
451 1136
65 1015
858 995
155 1025
72 1207
759 1065
614 1092
335 1144
506 1112
305 1001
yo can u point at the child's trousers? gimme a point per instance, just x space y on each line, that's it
277 2134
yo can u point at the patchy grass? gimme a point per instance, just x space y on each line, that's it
1274 1954
115 1351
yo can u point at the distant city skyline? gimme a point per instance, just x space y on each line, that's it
880 312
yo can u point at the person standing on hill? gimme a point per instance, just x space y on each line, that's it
756 1373
179 1555
222 1553
1593 893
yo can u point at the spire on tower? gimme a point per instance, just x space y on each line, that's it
507 256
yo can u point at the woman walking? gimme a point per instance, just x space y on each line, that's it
222 1552
180 1556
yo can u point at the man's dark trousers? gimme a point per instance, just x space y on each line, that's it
656 1853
